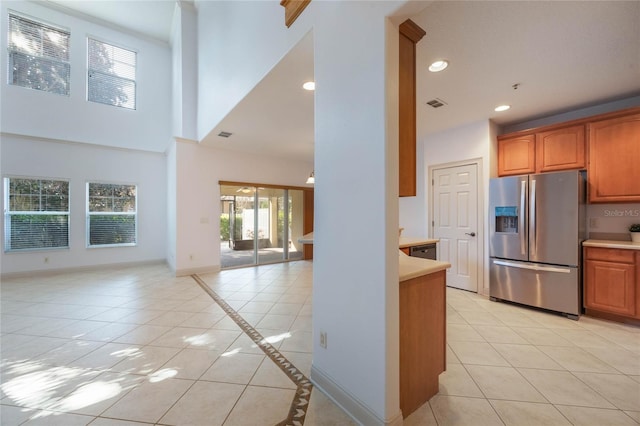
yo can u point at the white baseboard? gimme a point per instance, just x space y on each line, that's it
42 272
351 405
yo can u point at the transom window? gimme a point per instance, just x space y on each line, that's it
112 74
36 214
38 55
111 214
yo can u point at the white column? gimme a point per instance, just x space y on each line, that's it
356 209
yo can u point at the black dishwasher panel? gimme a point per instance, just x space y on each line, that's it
425 251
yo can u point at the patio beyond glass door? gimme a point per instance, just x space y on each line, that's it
259 225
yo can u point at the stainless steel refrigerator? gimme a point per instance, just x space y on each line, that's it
537 225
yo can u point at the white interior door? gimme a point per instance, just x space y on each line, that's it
455 223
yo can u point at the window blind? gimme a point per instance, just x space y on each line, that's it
37 214
112 216
112 74
38 56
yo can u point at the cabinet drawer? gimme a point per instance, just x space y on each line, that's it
610 255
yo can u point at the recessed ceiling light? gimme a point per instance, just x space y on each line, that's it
502 108
309 85
438 66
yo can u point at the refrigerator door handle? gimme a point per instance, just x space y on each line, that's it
532 266
521 217
533 226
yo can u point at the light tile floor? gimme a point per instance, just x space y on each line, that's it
135 346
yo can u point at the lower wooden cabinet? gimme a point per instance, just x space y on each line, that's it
423 310
611 281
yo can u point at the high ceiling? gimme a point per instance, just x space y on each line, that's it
562 55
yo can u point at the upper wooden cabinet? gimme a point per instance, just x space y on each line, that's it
516 156
410 34
614 160
557 149
607 145
561 149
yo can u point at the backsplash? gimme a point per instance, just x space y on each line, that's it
611 221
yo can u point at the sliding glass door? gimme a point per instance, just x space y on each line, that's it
260 225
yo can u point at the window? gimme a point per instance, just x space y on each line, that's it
36 214
111 218
38 56
112 75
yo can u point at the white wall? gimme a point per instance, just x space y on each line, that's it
73 118
238 44
80 163
197 217
630 102
184 57
612 221
172 162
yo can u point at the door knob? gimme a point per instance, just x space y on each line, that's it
473 234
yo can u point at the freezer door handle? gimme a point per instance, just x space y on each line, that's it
533 226
534 267
523 198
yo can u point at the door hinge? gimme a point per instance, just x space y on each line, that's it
433 182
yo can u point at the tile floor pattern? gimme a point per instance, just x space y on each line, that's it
135 346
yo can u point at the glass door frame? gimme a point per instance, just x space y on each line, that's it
306 217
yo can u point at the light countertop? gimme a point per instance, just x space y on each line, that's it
306 238
404 241
413 241
412 267
408 267
627 245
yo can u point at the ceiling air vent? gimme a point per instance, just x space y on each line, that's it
224 134
436 103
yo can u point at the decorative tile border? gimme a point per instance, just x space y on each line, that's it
300 403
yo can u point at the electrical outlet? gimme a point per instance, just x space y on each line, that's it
190 257
46 260
593 222
323 339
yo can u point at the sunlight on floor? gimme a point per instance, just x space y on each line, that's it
160 375
39 390
89 394
276 338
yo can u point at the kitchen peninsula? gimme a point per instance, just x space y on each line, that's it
422 329
422 324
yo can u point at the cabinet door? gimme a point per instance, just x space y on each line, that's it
561 149
610 287
410 34
516 156
614 160
637 262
